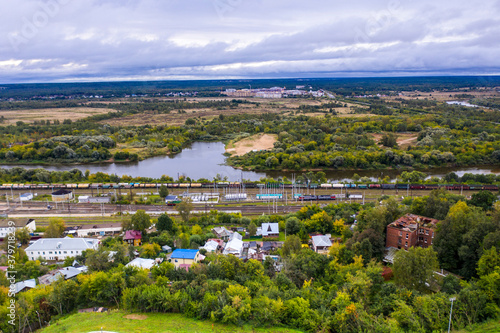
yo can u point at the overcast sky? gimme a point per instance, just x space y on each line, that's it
95 40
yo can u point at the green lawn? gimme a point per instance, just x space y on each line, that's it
116 321
492 326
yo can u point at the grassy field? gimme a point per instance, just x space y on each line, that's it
284 105
29 116
175 119
117 321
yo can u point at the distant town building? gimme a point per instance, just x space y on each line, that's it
411 230
268 94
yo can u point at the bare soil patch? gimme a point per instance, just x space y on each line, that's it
136 316
254 142
403 139
32 115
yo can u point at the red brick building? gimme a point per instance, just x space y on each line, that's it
411 230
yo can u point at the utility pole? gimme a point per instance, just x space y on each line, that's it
451 311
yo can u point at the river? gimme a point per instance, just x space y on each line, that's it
206 160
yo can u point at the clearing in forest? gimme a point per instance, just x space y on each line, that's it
255 142
403 139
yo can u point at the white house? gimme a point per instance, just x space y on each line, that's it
141 263
6 225
270 230
236 235
60 248
321 243
210 246
235 245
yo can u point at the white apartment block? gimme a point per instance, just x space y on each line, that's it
60 248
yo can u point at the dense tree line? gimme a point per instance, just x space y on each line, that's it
41 175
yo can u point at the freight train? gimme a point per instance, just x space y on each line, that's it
399 186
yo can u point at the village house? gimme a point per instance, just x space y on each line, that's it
235 245
65 273
6 225
141 263
270 230
222 233
184 258
211 246
133 237
321 243
23 286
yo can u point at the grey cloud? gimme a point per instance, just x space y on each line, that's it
112 39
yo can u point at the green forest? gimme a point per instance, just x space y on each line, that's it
445 135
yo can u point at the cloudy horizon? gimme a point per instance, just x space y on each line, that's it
115 40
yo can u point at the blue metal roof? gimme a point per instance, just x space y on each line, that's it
184 254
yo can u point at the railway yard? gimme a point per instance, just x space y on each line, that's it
258 200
